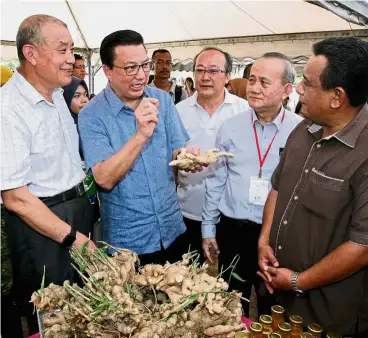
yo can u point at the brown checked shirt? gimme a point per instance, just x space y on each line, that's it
322 202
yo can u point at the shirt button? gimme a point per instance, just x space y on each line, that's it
285 222
279 247
295 198
318 145
306 171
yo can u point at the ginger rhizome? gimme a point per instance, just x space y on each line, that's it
121 299
186 160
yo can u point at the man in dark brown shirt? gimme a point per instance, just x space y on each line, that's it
313 249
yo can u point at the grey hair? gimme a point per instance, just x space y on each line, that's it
289 71
30 31
228 63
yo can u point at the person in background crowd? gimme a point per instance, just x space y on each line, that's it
246 72
76 98
5 74
46 210
163 67
313 249
130 132
202 115
150 79
92 96
189 86
238 87
79 68
237 188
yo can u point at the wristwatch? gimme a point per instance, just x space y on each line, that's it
69 239
294 282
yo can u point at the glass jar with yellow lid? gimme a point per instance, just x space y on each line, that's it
284 330
305 335
296 325
315 330
266 322
242 335
278 313
333 335
256 330
274 335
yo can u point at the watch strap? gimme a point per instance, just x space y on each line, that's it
70 238
294 282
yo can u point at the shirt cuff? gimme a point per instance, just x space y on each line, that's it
208 230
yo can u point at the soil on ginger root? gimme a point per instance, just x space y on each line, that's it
120 299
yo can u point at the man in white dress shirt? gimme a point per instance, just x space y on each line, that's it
46 209
202 115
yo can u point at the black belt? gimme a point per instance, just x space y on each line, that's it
65 196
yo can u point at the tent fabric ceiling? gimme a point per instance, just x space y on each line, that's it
168 21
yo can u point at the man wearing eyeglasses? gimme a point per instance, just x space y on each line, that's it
163 67
129 134
79 68
202 115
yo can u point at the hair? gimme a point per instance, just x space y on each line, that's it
247 69
347 66
78 57
190 82
30 32
228 63
151 78
160 51
119 38
289 71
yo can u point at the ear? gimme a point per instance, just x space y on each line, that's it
288 88
227 78
107 71
338 98
30 53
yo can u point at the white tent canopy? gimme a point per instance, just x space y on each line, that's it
243 28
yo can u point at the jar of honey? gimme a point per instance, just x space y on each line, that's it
333 335
296 325
256 330
242 335
266 322
315 330
274 335
284 330
306 335
278 313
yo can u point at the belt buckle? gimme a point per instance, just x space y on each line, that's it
80 189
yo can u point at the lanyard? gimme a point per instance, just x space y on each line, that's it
261 159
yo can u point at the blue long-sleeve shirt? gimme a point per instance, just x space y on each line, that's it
227 185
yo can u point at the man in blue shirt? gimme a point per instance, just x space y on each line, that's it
129 134
236 189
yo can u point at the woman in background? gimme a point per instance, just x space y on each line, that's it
189 86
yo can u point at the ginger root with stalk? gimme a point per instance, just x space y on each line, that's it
186 160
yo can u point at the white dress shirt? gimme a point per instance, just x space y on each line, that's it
202 129
39 140
183 95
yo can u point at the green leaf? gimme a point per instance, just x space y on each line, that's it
236 276
84 248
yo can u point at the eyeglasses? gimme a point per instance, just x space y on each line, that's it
80 67
162 62
211 72
134 69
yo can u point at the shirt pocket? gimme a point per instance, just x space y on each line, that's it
322 194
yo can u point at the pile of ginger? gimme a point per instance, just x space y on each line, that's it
120 299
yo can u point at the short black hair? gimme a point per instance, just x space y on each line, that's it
78 57
347 66
119 38
160 51
289 71
246 72
228 63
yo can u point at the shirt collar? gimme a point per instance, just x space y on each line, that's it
277 121
229 98
114 101
351 132
29 91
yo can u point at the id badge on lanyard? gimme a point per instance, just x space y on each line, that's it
259 187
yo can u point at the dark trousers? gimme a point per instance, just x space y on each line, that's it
194 236
171 254
30 252
240 237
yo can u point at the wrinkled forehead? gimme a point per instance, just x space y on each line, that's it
130 54
56 34
211 58
271 68
314 68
